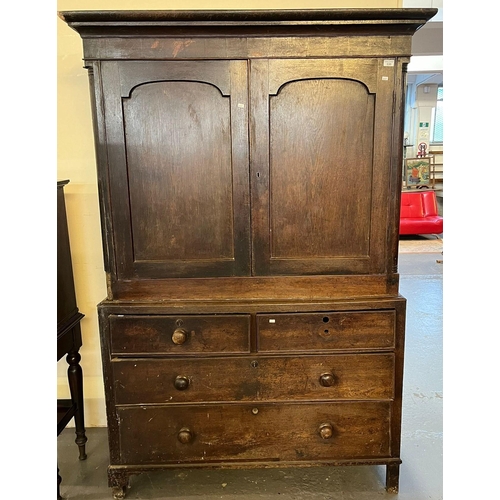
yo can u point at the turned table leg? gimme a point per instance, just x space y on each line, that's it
59 479
75 379
392 478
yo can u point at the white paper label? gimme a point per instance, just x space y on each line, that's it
388 62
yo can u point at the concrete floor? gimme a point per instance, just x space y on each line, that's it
421 475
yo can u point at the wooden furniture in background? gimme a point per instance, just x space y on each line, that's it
69 337
249 167
437 176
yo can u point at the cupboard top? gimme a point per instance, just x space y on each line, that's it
326 21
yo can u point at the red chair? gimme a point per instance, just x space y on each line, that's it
419 213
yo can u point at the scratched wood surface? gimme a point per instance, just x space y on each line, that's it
289 378
249 167
253 432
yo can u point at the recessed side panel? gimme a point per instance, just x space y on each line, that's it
178 144
321 152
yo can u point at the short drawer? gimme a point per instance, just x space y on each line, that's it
326 331
181 335
285 432
263 378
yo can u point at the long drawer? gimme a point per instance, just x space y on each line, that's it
326 331
263 378
285 432
172 335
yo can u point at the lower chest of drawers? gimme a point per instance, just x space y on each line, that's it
257 387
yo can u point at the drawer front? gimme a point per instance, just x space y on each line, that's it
287 432
179 335
326 331
354 376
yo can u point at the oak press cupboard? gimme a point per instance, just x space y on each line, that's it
249 172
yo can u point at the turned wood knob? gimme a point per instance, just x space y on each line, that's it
185 436
326 431
179 336
181 383
327 379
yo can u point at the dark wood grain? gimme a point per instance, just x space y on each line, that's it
253 432
109 393
326 331
161 108
244 16
271 306
319 206
397 174
245 47
396 409
328 125
132 335
254 288
355 377
249 170
335 22
178 174
172 166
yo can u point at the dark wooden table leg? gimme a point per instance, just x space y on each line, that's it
75 378
392 478
59 497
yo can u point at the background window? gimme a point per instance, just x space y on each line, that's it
437 118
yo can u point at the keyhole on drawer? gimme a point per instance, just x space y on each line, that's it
326 319
179 322
327 332
254 364
255 411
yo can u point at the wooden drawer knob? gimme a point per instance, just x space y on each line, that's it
327 379
179 336
181 383
185 436
326 431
